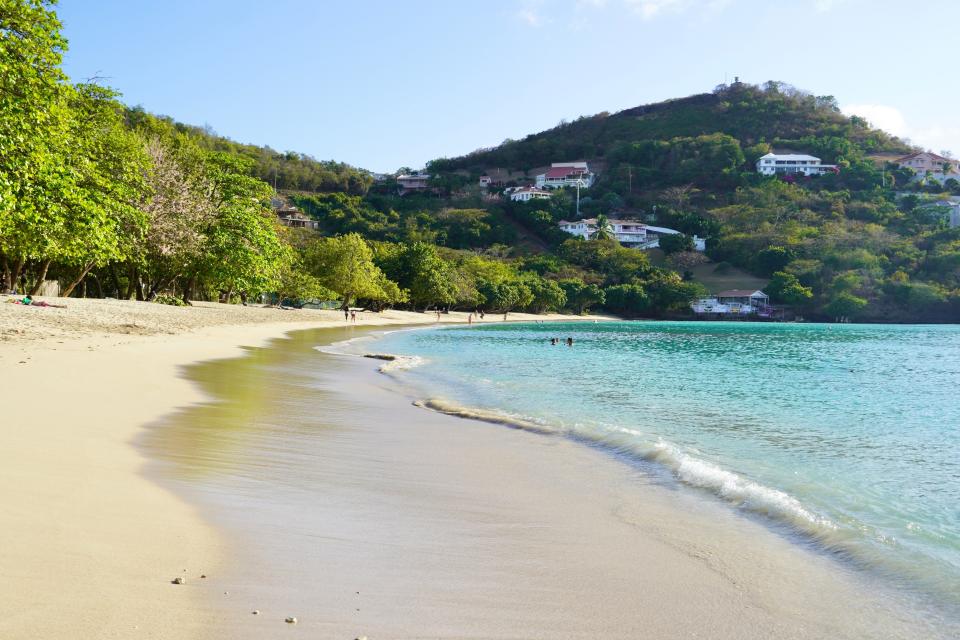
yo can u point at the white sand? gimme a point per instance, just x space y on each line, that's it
88 546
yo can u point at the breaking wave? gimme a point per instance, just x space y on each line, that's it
683 467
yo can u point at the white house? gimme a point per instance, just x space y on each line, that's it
629 233
930 165
566 174
736 302
413 182
525 194
485 181
793 163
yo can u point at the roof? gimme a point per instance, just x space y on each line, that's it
413 176
531 190
593 221
740 293
563 172
924 153
579 165
661 230
790 157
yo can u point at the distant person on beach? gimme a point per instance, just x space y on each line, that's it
569 342
353 316
346 315
504 316
29 301
470 319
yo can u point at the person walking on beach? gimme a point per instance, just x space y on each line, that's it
346 315
353 316
470 319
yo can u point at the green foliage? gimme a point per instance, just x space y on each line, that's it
675 243
627 299
580 295
845 305
344 264
169 300
786 288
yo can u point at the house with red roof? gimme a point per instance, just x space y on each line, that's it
930 165
566 174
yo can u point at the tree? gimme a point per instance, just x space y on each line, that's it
845 305
429 279
604 229
242 251
675 243
773 259
581 296
345 265
786 288
547 294
626 299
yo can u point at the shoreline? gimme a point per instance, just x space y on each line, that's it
88 544
457 528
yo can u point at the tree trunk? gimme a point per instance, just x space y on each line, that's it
15 275
96 281
73 285
225 295
188 289
138 286
116 280
40 278
6 275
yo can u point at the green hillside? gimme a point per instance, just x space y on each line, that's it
112 201
867 243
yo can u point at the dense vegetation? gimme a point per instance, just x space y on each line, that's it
114 201
868 243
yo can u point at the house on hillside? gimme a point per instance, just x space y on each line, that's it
292 217
629 233
930 165
793 164
566 174
485 181
734 303
413 182
525 194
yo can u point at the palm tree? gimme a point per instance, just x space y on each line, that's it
604 229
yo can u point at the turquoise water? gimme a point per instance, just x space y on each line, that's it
844 437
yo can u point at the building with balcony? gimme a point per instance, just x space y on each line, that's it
566 174
413 182
931 166
525 194
629 233
734 303
793 164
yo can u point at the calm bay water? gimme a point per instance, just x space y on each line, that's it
847 437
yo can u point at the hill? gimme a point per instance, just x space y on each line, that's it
772 115
868 243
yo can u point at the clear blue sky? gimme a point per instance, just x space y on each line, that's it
383 84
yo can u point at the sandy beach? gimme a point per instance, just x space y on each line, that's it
88 545
308 485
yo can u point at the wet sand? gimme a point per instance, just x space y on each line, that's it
346 506
88 544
